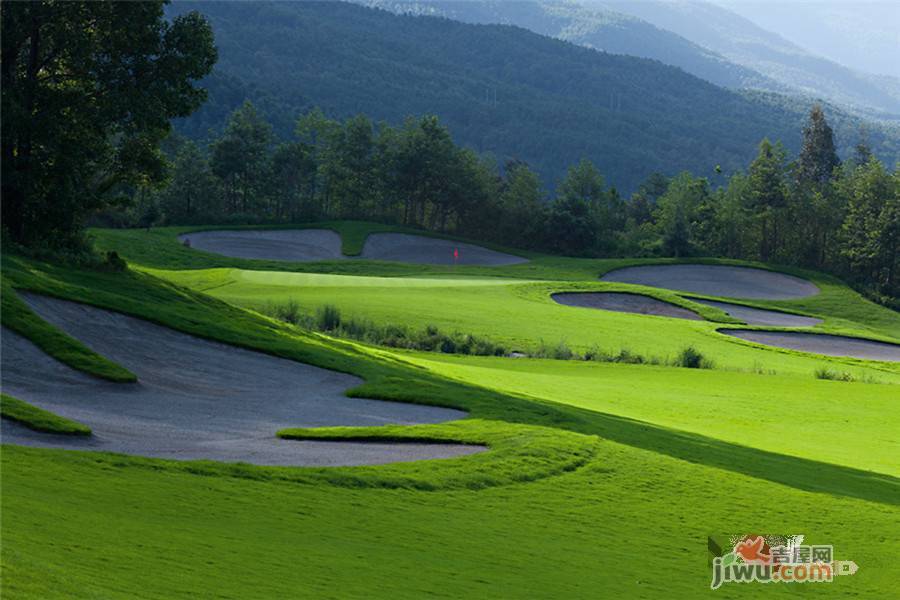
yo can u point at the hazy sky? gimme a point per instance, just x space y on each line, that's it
861 34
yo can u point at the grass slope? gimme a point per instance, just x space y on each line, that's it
39 419
577 497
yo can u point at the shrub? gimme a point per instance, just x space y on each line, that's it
825 373
328 318
691 358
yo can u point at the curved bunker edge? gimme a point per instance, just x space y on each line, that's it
716 280
200 400
759 316
820 343
308 245
624 302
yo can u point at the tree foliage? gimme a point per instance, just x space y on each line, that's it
88 91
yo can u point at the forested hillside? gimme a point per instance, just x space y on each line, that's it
594 27
500 89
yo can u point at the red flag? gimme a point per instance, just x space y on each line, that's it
455 254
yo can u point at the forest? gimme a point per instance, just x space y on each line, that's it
812 210
500 89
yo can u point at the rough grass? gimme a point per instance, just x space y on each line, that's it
38 419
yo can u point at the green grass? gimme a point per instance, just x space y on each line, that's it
39 419
630 523
600 479
520 316
851 424
161 249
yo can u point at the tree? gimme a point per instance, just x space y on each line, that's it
193 193
349 167
768 196
240 158
293 182
818 158
577 212
677 213
88 89
521 206
870 234
317 133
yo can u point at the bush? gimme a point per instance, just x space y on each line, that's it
328 318
691 358
431 339
825 373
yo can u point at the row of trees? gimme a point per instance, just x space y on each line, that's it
813 211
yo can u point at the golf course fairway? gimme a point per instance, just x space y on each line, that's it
598 475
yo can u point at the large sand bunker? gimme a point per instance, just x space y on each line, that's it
818 343
758 316
630 303
197 399
717 280
305 245
402 247
300 245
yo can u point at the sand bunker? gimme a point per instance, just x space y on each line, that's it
630 303
305 245
717 280
418 249
829 345
198 399
302 245
758 316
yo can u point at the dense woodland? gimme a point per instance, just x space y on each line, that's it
499 89
811 211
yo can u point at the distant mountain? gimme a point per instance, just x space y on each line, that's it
863 34
594 27
500 89
745 43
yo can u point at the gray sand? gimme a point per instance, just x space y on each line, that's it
306 245
198 399
717 280
630 303
758 316
418 249
829 345
302 245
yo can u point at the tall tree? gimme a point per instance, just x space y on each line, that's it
240 158
575 216
193 193
768 196
88 89
871 231
818 157
677 213
521 206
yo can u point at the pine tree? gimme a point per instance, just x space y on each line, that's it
818 157
768 196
